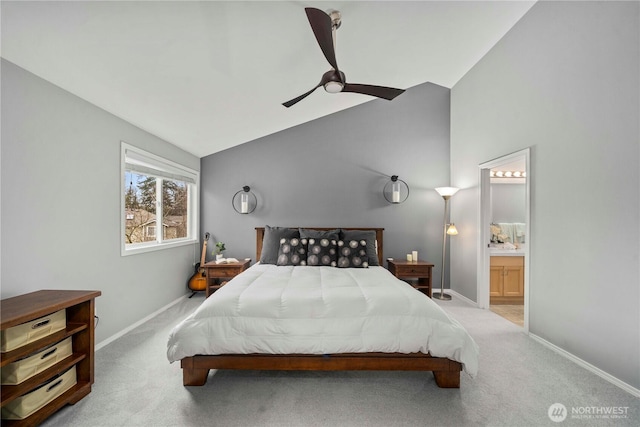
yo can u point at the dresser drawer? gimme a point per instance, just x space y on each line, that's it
29 332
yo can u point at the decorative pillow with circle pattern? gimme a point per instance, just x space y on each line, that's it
292 251
322 252
352 254
369 236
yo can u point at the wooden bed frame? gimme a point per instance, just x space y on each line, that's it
195 369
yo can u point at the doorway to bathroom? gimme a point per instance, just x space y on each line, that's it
504 256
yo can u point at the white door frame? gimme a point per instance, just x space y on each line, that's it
484 219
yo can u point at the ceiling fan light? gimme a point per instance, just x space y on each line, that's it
333 87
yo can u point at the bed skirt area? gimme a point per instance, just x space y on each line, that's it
195 369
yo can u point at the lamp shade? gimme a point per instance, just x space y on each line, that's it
447 191
244 201
395 190
452 230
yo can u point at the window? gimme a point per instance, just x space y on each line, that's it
159 202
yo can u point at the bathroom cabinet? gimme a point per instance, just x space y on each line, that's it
507 280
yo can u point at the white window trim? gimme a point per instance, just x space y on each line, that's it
173 170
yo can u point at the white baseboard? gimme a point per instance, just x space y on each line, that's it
575 359
135 325
462 297
588 366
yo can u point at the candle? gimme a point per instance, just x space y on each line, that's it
409 257
244 203
414 255
396 192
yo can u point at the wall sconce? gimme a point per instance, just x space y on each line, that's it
395 190
244 201
449 229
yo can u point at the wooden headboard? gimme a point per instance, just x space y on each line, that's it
260 236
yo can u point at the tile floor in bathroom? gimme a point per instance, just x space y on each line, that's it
513 313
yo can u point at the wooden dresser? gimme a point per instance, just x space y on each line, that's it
79 308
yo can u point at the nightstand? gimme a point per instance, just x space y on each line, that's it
222 271
420 270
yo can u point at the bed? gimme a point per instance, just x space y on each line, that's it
322 317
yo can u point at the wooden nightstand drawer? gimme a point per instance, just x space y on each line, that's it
226 271
413 270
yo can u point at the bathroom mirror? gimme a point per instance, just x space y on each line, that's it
508 206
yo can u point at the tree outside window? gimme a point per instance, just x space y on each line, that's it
141 208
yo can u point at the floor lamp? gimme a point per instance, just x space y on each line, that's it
449 228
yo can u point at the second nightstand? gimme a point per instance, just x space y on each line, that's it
420 270
222 271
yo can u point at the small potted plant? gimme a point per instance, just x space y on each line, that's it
218 251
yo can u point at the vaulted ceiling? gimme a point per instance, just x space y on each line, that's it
209 75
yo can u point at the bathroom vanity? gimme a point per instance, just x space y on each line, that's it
506 276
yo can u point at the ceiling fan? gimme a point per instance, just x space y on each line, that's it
324 27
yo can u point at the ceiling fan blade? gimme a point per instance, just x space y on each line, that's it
322 29
379 91
300 98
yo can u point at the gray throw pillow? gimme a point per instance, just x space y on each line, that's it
306 233
271 242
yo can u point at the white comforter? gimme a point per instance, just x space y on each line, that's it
320 310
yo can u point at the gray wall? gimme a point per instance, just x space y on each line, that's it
508 202
61 204
565 82
331 171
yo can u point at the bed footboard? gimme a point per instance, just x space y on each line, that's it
446 372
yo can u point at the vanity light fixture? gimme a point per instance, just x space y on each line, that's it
448 229
507 174
395 190
244 201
